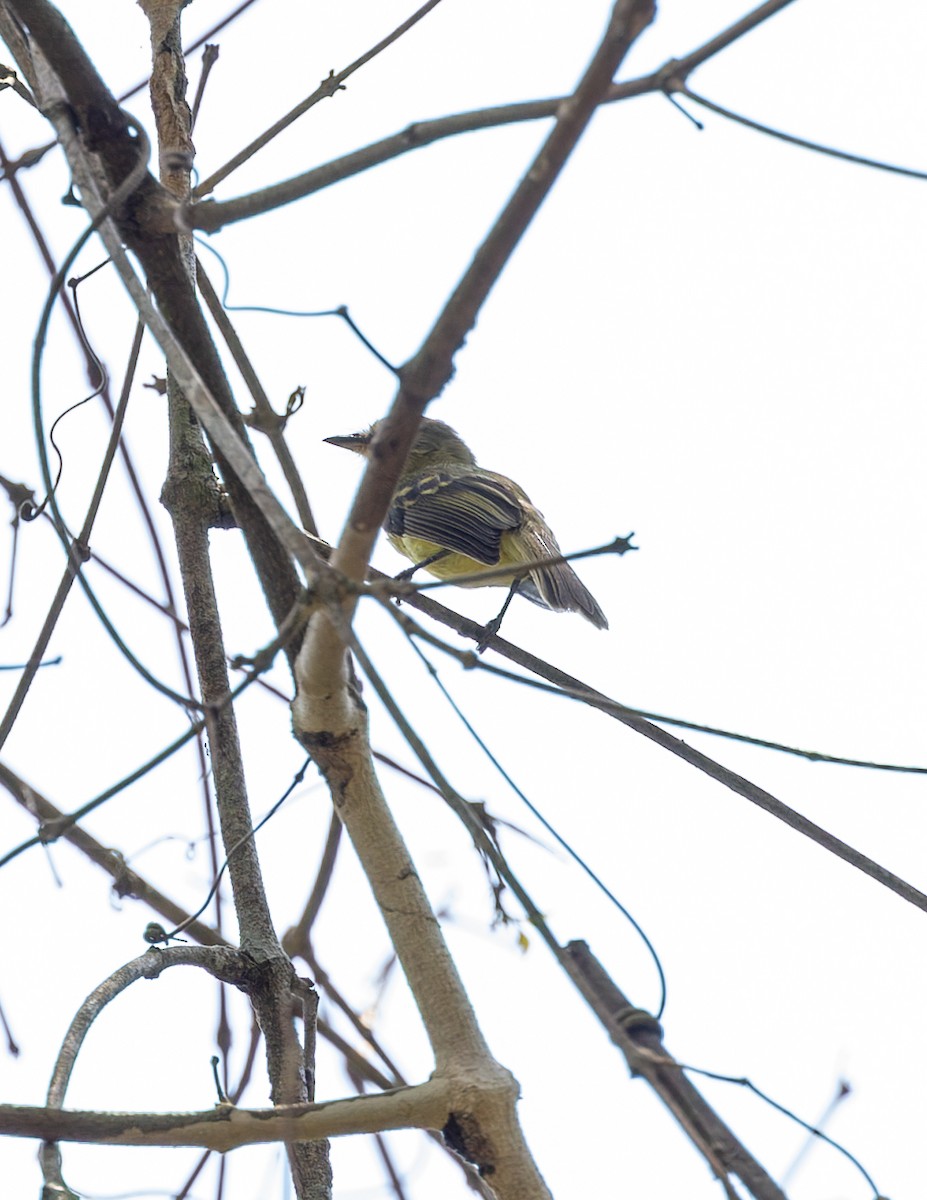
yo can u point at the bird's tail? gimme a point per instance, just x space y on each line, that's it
559 587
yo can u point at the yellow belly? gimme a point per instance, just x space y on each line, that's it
452 566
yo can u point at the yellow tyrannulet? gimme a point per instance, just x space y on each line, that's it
456 519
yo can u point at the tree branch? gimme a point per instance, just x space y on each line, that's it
191 495
575 689
330 719
212 215
326 89
99 126
425 1106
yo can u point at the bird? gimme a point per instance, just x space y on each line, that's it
455 519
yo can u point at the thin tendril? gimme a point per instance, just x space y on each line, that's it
432 670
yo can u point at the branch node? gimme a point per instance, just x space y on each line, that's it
329 86
672 76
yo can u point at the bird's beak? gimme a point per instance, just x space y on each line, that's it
358 442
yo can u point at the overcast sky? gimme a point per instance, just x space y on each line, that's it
713 339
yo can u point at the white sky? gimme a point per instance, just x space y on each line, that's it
709 338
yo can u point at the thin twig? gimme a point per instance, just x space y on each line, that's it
640 1039
141 499
78 550
618 545
424 376
296 939
211 215
57 829
554 833
469 661
264 416
210 58
815 1132
201 40
327 88
126 882
575 688
818 147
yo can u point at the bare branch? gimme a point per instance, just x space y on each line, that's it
327 88
78 551
424 1106
190 494
576 689
267 529
263 417
426 373
672 76
638 1036
126 882
858 160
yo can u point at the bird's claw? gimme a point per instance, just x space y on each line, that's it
490 629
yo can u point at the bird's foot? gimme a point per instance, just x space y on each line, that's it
490 629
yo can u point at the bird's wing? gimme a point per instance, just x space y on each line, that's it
460 510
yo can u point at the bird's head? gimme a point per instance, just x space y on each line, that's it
435 445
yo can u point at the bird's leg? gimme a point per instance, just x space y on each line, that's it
492 627
426 562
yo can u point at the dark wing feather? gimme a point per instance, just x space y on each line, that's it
464 511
